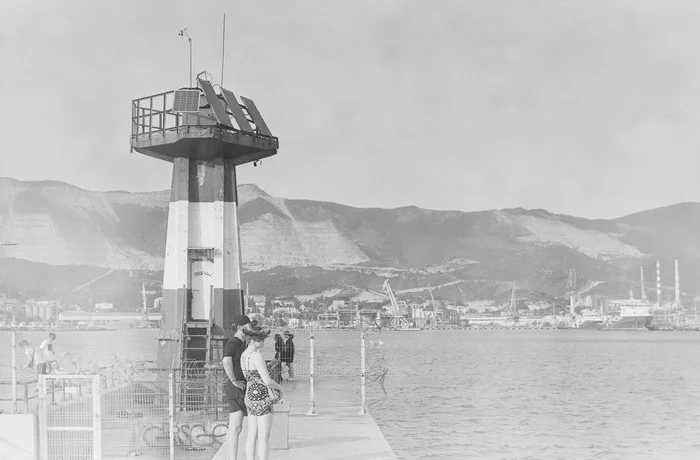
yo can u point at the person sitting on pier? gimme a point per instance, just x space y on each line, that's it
261 394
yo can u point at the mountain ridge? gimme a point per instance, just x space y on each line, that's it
58 224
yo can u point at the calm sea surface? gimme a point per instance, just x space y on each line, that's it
509 394
542 395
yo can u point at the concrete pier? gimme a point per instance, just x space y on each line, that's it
328 437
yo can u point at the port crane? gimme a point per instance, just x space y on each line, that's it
396 307
397 311
437 315
512 312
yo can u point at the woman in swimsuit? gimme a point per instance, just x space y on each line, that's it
257 398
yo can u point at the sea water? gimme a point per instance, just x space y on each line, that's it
539 394
521 394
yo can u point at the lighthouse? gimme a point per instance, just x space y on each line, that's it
205 133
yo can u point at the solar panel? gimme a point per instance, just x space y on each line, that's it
255 115
236 111
186 100
216 104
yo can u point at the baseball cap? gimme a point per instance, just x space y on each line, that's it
240 320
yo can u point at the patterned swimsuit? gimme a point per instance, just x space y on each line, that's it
257 399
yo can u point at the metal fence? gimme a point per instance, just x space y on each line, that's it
136 418
182 413
70 420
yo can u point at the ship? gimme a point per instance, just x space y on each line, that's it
589 319
634 314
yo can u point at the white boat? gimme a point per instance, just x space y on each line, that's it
633 315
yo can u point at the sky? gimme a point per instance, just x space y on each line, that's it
588 108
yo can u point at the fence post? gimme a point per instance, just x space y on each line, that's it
26 397
97 411
363 356
171 415
312 403
14 372
43 437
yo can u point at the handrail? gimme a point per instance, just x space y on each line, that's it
19 382
151 115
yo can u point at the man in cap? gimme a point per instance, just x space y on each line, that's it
234 388
288 353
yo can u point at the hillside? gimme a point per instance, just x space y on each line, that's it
292 246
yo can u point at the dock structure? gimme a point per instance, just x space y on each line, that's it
131 409
205 134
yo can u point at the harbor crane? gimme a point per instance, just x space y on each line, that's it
512 306
397 311
396 308
437 315
571 290
575 294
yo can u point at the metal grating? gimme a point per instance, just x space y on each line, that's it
186 100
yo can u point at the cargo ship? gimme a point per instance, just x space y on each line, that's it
633 315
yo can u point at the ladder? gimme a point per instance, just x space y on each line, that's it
196 342
201 352
199 346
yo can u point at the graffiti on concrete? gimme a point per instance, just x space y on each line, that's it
187 436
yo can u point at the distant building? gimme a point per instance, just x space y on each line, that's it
8 305
259 300
336 305
104 306
119 320
452 317
285 311
328 320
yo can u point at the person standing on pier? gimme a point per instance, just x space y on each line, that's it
29 353
279 346
235 386
288 353
47 357
261 394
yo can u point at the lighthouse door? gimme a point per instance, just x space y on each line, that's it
201 283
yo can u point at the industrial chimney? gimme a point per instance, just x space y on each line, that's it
658 283
678 287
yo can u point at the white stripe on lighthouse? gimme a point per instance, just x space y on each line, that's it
232 247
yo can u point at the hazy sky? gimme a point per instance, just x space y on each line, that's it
589 108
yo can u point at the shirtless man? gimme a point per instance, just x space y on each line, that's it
234 388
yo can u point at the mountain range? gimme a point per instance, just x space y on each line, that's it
74 244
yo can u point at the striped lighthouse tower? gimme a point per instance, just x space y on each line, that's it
205 135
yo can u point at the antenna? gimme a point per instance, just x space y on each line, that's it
183 33
223 46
